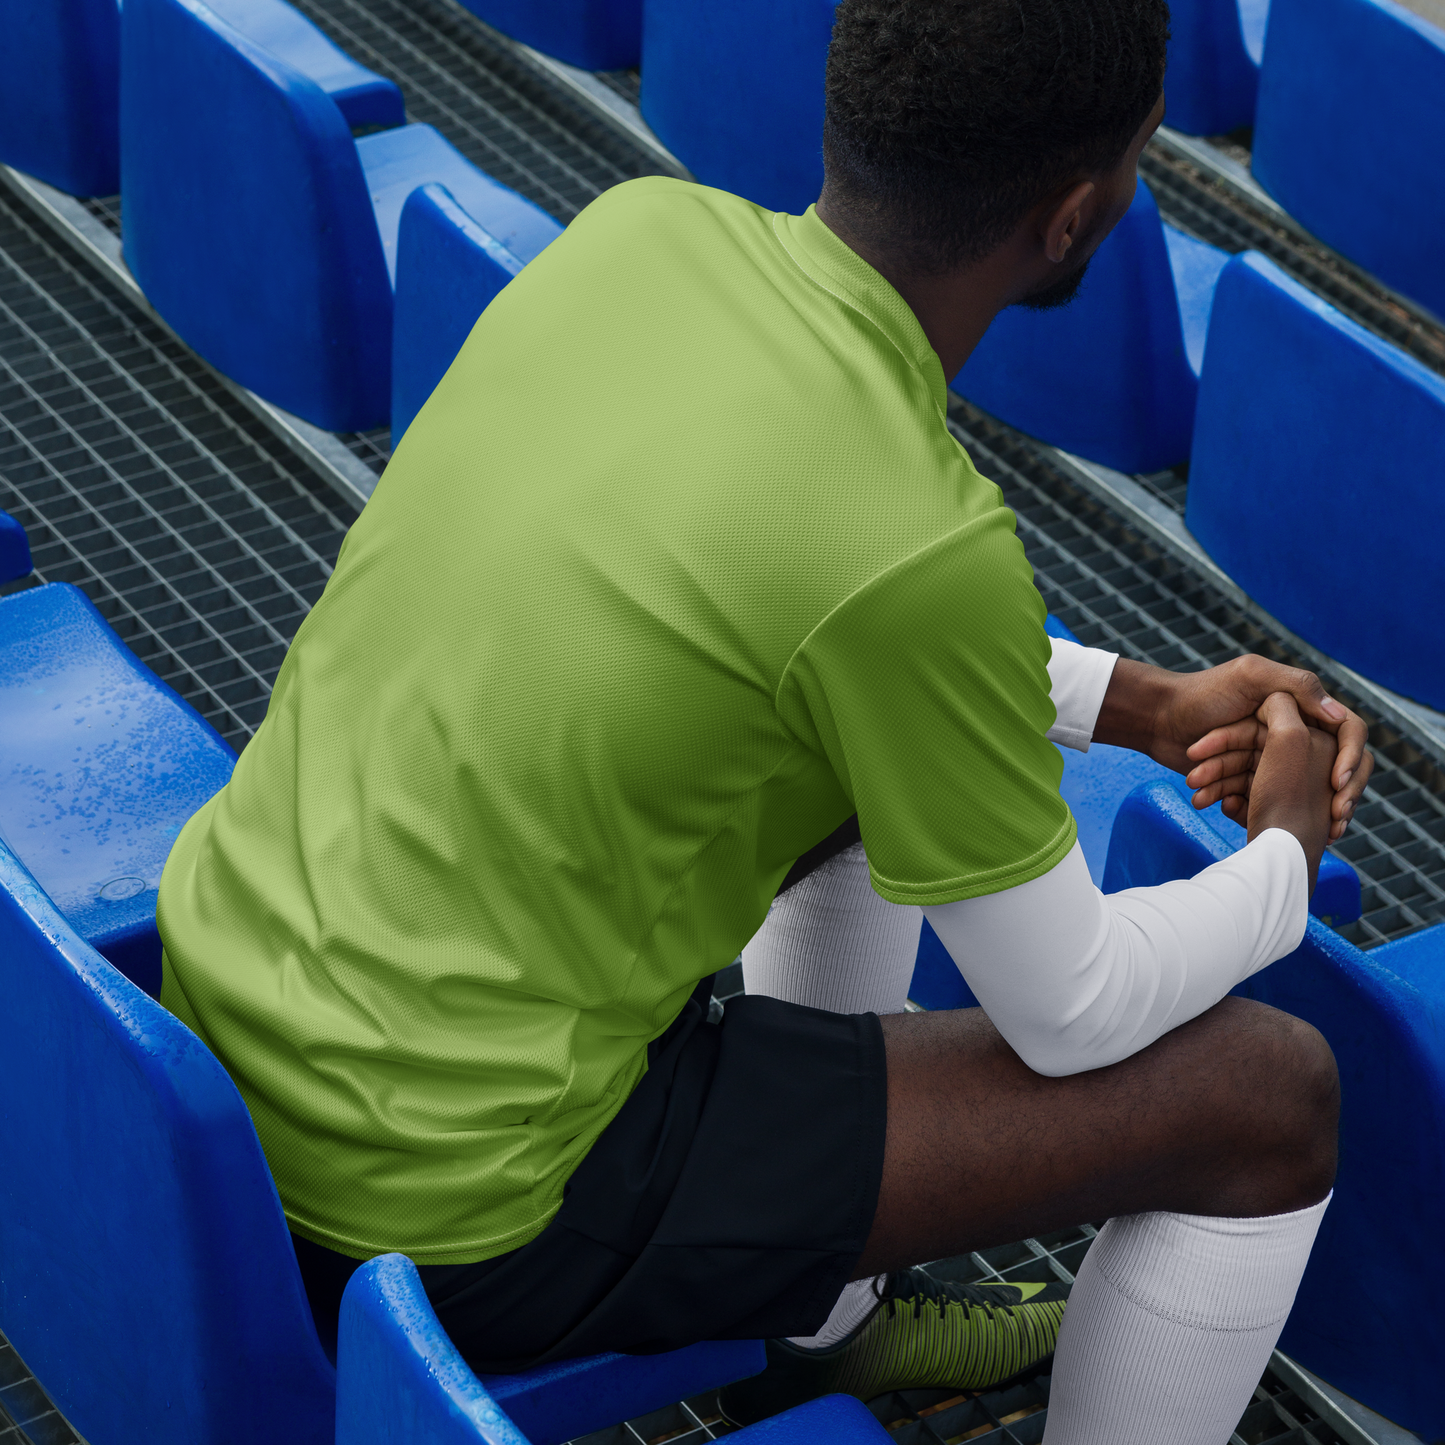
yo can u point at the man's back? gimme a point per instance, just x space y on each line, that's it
576 698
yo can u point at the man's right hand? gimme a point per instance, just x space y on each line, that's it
1291 787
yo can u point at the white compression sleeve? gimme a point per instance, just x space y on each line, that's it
1076 979
1170 1325
1078 679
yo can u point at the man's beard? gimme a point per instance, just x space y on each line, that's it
1059 294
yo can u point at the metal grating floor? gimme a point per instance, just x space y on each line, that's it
201 539
26 1415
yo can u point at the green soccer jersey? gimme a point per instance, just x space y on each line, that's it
678 568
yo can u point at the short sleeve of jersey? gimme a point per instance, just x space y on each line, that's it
928 691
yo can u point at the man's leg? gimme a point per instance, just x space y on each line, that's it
1210 1153
831 942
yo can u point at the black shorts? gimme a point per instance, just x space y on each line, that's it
730 1198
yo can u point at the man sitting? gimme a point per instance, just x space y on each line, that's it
677 586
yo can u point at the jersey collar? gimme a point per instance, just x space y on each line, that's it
842 272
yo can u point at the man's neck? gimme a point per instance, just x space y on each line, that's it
954 309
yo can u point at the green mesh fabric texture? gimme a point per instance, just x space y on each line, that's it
679 567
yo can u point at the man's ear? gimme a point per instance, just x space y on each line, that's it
1065 222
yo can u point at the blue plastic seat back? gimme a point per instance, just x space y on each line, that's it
1349 131
1314 480
1383 1014
363 97
148 1278
59 94
448 270
14 550
594 34
100 766
399 1378
736 93
247 217
1212 75
1109 375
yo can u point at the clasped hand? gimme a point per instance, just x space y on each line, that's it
1214 726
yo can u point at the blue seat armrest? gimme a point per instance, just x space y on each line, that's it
398 1372
554 1403
365 98
396 162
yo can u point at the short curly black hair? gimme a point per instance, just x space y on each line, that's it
948 119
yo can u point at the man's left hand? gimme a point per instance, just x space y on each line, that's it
1204 724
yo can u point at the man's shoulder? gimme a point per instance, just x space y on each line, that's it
661 208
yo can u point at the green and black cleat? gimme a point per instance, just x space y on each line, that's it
925 1334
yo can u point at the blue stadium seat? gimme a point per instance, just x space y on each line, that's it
1215 50
100 766
1114 375
1359 1321
448 269
400 1379
59 96
146 1273
257 226
1094 786
593 34
14 550
736 93
1314 480
1349 130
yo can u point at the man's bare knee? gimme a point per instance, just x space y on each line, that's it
1286 1096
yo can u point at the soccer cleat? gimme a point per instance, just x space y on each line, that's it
925 1333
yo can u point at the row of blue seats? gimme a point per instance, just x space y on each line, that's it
144 1256
266 179
1312 444
338 277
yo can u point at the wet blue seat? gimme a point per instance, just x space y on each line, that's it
146 1273
593 34
100 766
1314 479
399 1378
1094 785
58 101
736 93
1349 130
1383 1014
1114 375
257 226
1212 75
448 269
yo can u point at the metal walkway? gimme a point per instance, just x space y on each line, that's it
139 478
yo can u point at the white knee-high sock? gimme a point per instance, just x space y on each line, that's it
858 1300
1170 1325
832 943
